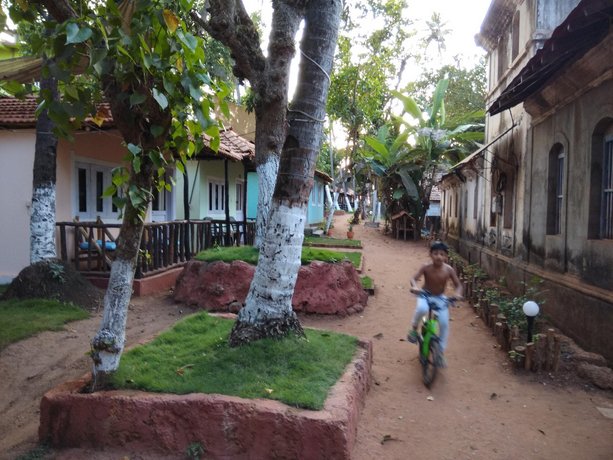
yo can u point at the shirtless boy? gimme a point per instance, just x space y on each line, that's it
436 275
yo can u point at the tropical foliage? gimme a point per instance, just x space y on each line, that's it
407 152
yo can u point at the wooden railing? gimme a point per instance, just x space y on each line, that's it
90 246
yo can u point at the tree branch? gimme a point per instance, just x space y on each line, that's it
60 10
230 24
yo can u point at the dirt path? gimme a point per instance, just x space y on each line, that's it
479 408
31 367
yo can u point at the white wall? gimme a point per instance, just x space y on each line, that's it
17 157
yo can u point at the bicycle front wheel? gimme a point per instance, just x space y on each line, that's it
430 362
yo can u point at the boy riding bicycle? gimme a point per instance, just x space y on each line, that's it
436 275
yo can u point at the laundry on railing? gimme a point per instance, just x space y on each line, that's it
108 245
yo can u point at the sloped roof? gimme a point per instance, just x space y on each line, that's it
582 29
232 146
497 19
21 69
21 113
17 113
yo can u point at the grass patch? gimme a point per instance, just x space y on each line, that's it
20 319
250 255
194 357
247 254
327 255
367 282
327 241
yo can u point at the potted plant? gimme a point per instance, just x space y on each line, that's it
350 232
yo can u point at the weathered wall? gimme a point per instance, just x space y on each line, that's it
583 312
571 250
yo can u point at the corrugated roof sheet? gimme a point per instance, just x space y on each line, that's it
583 29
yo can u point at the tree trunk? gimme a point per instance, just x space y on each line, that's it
108 343
269 78
42 212
135 127
268 309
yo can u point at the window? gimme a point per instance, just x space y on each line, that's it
476 199
456 204
91 180
217 196
600 223
606 219
515 36
239 196
502 56
555 187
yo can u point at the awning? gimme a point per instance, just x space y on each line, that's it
583 29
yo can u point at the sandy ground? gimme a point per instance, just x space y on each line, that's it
478 408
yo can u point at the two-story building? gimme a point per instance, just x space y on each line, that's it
537 199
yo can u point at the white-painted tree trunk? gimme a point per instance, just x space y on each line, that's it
348 204
42 224
109 342
272 289
267 178
331 209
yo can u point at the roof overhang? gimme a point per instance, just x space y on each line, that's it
471 161
497 19
586 26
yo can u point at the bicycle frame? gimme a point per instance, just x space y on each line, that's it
429 347
429 331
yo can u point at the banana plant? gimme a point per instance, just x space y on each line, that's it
407 152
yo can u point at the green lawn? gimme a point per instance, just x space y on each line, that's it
326 241
250 254
194 356
367 282
20 319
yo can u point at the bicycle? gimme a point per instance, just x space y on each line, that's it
430 356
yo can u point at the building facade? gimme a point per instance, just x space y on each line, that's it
537 200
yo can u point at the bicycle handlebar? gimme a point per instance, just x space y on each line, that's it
426 295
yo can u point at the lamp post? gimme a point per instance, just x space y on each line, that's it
531 309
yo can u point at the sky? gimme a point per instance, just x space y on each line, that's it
462 18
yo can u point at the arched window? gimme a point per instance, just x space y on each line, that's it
555 189
600 223
515 36
476 199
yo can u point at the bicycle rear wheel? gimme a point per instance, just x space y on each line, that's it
430 363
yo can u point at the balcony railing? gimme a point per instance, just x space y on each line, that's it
91 246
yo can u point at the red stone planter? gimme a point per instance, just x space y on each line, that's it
227 427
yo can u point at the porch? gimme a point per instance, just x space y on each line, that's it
164 247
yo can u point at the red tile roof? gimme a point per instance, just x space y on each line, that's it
21 113
17 113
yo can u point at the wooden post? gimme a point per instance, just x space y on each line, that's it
557 345
549 350
497 332
504 335
485 311
520 357
529 356
493 315
540 351
514 339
